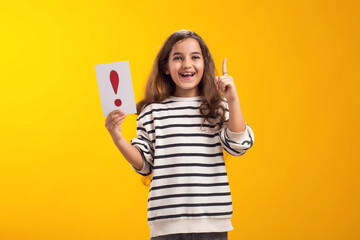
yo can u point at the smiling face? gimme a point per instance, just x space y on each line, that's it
186 67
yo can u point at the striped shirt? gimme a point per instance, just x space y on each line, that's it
189 190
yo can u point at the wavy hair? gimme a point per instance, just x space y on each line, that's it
161 86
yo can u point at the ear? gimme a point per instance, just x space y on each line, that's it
167 71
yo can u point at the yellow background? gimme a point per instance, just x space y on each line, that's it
296 67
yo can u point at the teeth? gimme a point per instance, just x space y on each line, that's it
187 74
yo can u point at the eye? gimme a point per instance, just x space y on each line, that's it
177 58
196 57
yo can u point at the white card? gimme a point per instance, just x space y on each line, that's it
115 87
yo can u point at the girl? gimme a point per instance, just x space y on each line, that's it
182 127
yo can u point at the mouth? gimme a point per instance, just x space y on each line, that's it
187 75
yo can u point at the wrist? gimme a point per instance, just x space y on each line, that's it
234 99
117 137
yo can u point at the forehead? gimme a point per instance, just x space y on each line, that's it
187 45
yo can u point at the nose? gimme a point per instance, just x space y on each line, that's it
187 63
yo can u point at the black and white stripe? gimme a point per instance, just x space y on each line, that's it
189 174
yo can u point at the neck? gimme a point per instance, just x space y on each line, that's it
186 93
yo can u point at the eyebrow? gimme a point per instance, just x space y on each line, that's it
179 53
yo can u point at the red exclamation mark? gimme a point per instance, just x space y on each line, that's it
114 79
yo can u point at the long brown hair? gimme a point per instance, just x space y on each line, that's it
160 85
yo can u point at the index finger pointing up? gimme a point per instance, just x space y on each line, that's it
224 70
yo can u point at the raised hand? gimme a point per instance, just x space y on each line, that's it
113 123
225 84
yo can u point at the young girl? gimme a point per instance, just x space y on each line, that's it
182 127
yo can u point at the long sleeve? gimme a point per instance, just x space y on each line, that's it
236 144
145 143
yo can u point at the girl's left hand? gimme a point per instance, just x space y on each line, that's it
225 84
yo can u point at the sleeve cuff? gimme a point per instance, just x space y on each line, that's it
142 169
237 137
144 165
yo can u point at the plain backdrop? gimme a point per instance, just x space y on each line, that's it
296 67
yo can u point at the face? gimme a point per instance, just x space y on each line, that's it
186 67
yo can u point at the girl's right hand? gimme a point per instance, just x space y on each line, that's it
113 123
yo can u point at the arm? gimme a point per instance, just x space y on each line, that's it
236 119
131 153
225 85
236 136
